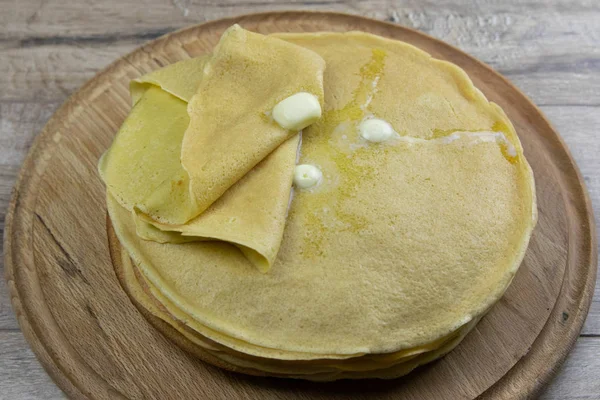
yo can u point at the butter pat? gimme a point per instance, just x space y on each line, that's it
307 176
297 111
375 130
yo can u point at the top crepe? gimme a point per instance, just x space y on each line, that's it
401 244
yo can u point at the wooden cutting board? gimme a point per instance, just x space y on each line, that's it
95 343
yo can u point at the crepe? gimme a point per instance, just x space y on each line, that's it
143 168
230 129
398 252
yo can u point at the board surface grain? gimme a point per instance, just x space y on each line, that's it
95 343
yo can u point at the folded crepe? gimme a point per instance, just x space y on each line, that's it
230 128
144 168
250 215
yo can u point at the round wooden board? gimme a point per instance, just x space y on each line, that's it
95 343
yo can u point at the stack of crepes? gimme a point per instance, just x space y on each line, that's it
385 265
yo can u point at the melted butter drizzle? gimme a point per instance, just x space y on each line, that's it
344 173
337 149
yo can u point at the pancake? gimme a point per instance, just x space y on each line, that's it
386 264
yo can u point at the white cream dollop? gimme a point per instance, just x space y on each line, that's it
375 130
297 111
307 176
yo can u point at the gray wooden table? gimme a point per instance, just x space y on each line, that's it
48 48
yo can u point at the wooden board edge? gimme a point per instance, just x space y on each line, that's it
576 312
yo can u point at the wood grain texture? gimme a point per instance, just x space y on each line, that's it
23 376
93 341
20 122
550 51
534 43
577 125
27 380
